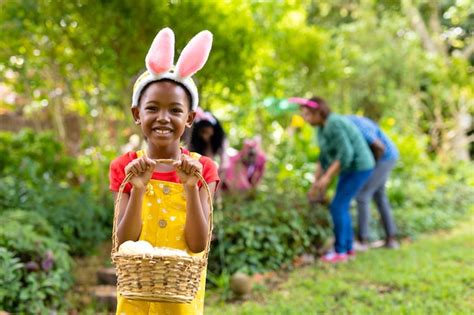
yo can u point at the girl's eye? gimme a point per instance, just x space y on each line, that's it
150 108
176 110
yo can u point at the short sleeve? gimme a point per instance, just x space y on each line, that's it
341 143
209 170
367 128
117 172
370 133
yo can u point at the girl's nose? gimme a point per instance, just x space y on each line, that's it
162 116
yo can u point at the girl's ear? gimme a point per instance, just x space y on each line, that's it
194 55
136 114
161 54
190 119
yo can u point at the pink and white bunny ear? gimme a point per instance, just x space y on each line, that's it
194 55
160 57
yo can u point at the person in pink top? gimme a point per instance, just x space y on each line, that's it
246 168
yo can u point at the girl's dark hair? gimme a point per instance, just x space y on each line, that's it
167 80
323 106
198 145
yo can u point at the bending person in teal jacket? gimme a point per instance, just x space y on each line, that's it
343 151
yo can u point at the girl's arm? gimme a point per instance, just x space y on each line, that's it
332 171
325 180
318 172
197 207
197 216
129 223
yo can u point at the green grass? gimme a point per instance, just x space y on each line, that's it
434 275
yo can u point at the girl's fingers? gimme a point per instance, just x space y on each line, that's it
134 169
187 167
143 165
138 168
177 164
191 166
149 163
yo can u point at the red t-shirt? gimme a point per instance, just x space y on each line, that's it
117 171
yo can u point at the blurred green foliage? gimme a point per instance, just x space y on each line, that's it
37 176
35 268
79 59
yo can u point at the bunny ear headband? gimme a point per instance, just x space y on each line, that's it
202 115
159 63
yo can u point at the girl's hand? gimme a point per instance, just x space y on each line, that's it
317 192
322 184
186 169
142 169
313 194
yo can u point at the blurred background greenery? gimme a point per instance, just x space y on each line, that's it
67 70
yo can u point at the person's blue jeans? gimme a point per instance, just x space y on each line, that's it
348 186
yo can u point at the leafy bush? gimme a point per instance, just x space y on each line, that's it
35 266
264 233
38 176
76 218
426 194
10 278
38 222
425 206
33 155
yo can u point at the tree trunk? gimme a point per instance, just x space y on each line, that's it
458 138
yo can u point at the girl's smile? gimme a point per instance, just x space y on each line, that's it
163 131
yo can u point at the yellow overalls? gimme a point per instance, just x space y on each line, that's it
163 219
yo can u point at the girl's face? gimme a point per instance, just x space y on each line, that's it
206 133
313 117
164 113
250 157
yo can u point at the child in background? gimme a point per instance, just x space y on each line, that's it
164 204
246 168
208 139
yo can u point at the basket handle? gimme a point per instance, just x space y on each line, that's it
119 198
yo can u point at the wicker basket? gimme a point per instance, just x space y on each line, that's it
158 278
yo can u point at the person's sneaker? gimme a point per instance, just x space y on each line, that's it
391 243
334 257
351 254
361 246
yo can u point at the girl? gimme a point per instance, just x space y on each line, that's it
163 204
208 137
246 168
343 150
